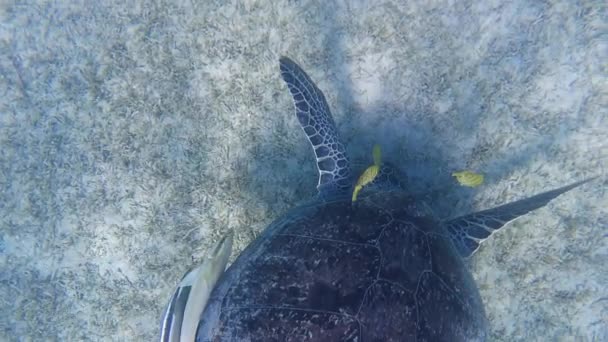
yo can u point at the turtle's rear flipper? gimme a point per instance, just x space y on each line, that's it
315 118
468 231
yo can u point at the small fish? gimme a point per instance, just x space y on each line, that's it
370 173
366 177
468 178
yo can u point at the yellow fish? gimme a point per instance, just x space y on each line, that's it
370 173
468 178
366 177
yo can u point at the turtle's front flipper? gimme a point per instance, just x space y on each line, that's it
316 121
183 312
468 231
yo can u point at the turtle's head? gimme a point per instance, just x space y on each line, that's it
388 178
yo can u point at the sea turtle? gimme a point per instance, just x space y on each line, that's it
342 267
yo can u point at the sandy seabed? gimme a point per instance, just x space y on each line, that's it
134 134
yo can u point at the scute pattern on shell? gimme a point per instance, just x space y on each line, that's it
374 271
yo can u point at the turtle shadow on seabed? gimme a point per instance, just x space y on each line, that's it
411 147
409 136
410 142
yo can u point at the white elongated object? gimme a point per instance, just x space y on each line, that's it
184 310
